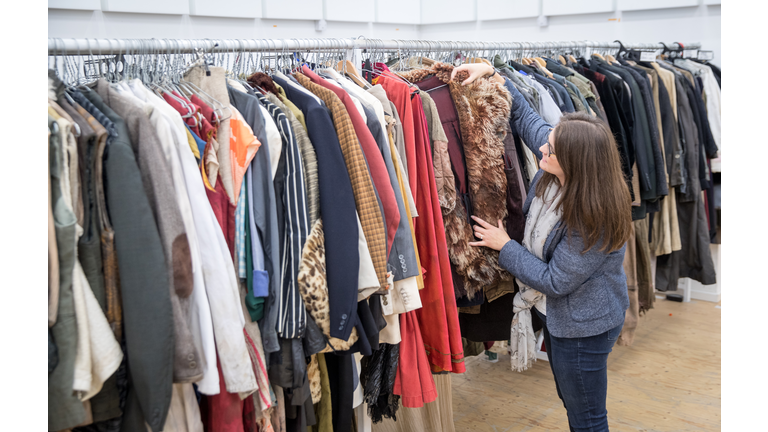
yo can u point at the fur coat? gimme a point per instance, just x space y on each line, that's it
483 108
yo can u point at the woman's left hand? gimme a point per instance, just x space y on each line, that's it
489 235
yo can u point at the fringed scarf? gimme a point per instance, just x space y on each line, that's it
542 217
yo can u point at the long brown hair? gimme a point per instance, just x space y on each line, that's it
595 199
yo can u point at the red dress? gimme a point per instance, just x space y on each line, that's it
438 315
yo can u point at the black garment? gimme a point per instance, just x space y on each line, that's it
702 124
520 154
340 377
337 204
711 209
658 159
610 90
377 378
367 330
464 301
689 137
557 68
493 321
672 146
516 192
641 131
694 260
521 67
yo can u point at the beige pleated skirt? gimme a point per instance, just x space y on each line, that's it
436 416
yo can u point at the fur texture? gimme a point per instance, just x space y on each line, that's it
483 107
313 287
313 375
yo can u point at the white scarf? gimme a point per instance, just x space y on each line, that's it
541 219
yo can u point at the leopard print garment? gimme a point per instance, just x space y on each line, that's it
313 287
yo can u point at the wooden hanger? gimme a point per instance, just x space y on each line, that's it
426 61
479 60
540 61
610 58
572 58
598 55
346 67
561 59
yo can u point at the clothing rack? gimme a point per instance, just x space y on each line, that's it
58 46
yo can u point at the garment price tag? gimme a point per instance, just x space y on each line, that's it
648 56
706 55
691 53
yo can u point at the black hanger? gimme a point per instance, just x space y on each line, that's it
673 52
630 54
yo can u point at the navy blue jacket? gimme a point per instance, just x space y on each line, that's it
337 206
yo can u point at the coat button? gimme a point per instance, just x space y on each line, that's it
192 365
191 357
344 316
341 328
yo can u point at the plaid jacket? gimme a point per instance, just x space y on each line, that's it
362 186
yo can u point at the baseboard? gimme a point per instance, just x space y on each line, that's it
705 296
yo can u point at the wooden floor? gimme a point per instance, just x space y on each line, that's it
669 380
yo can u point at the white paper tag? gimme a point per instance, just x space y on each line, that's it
690 53
648 56
706 55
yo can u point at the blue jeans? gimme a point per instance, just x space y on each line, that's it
580 368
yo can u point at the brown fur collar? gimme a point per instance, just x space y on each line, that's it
483 108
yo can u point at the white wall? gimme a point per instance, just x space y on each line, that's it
697 23
229 19
483 20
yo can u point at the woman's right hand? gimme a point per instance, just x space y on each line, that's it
475 70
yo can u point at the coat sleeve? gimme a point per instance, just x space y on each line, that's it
532 128
566 271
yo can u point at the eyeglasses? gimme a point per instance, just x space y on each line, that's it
549 145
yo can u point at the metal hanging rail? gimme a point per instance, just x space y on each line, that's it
58 46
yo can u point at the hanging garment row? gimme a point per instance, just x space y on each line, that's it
665 116
284 248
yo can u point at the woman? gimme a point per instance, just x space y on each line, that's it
569 266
